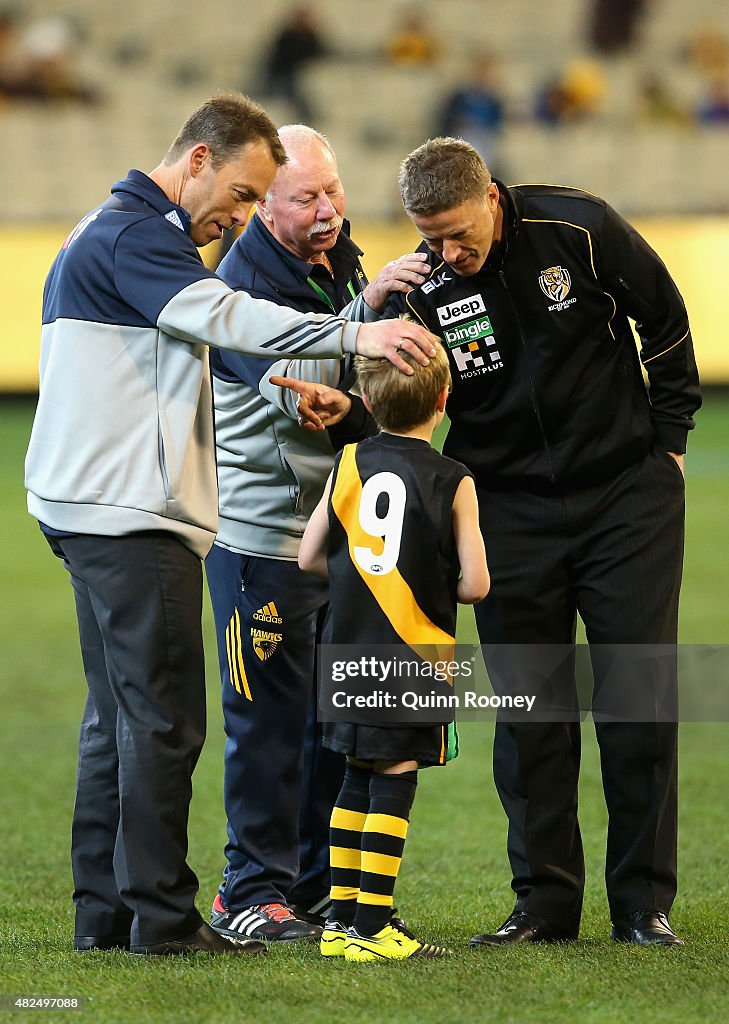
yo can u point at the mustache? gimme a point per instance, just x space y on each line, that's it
327 225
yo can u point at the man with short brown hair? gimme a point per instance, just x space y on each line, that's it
578 470
121 476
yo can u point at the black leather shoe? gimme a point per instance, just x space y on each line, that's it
88 943
204 940
645 928
523 927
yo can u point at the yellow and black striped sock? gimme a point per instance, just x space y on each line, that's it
345 835
383 841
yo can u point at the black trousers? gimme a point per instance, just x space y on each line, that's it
280 782
138 603
614 554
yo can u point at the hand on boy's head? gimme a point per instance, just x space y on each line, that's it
389 338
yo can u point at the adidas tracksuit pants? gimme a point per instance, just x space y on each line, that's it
280 783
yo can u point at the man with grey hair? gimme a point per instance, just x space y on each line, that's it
121 476
579 473
280 784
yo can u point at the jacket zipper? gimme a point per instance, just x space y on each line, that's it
502 278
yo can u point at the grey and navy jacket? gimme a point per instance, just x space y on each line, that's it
123 434
548 389
271 472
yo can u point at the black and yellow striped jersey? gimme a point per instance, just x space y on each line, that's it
393 565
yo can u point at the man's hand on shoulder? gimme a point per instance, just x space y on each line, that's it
400 275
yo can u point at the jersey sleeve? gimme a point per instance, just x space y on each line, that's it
168 283
635 276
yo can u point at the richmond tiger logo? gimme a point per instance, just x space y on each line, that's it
555 282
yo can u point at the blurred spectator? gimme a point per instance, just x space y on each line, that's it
8 21
658 105
11 58
714 109
577 94
297 44
412 43
708 50
475 110
39 63
614 23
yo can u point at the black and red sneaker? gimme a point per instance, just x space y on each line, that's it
272 922
315 913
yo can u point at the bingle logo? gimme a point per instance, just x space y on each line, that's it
460 310
470 331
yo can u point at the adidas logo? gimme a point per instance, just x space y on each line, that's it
266 641
247 922
174 218
269 613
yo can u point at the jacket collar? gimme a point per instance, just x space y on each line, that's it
512 205
291 273
142 187
513 202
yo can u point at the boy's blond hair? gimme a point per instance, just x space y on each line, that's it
401 403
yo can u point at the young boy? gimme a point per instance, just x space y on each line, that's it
395 526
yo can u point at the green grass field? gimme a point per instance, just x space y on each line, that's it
454 880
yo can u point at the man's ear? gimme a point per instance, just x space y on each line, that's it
198 159
263 211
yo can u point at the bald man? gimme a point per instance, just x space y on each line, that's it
280 784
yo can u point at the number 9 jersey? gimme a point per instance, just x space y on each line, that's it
393 564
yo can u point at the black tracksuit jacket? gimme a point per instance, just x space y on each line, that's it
548 391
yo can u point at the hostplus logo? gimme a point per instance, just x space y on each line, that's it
472 343
266 641
472 362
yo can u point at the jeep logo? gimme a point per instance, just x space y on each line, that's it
460 310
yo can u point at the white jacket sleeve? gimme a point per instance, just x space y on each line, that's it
358 310
320 371
209 311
